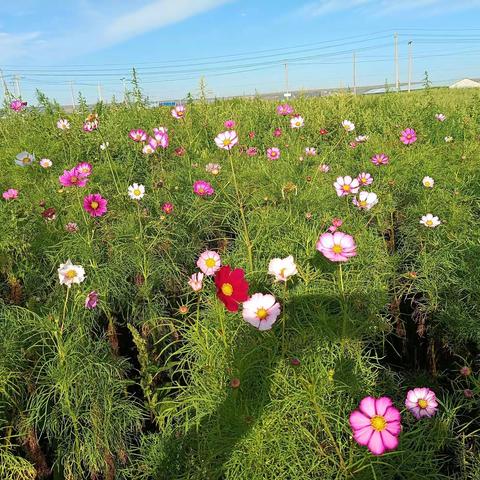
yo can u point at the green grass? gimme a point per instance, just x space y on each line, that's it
137 390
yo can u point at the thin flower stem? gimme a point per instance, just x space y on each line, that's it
110 163
342 294
64 314
285 293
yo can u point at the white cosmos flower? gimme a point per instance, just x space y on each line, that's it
45 163
297 121
348 126
282 268
361 138
24 159
226 140
104 145
430 221
346 185
366 200
63 124
70 274
428 182
261 311
136 191
448 139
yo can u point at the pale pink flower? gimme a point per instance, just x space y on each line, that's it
10 194
336 224
440 117
209 262
161 136
348 126
137 135
273 153
422 402
178 111
346 185
226 140
365 200
284 109
63 124
324 168
213 168
365 179
45 163
282 268
337 247
380 159
310 151
196 281
91 300
261 311
297 121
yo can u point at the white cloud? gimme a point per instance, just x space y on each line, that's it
14 46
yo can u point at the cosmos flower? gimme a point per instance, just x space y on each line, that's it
251 134
84 169
324 168
209 262
178 111
63 124
337 247
376 424
136 191
203 188
353 144
161 136
180 151
273 153
408 136
336 224
440 117
261 311
17 105
310 151
366 200
213 168
91 123
448 139
95 205
10 194
232 288
137 135
71 227
226 140
361 138
428 182
348 126
380 159
69 274
277 132
430 221
104 145
49 214
346 185
73 178
229 124
284 109
167 208
365 179
297 121
282 268
91 300
45 163
252 151
422 402
196 281
150 147
24 159
323 131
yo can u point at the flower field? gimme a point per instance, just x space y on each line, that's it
241 289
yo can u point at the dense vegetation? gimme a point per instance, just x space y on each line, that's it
161 382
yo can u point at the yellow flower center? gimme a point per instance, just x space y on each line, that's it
282 272
378 423
70 274
409 136
422 403
94 205
26 160
73 179
429 222
346 188
337 249
298 123
137 192
262 313
227 289
227 142
362 203
210 263
427 184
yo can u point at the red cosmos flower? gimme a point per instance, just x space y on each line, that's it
323 131
232 288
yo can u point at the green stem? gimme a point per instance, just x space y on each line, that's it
342 294
64 314
110 163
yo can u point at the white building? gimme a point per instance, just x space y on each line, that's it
466 83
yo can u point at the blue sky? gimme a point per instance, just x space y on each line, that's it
238 45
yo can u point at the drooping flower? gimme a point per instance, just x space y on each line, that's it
49 214
361 138
422 402
261 311
209 262
284 109
229 124
376 424
428 182
213 168
252 151
63 124
380 159
84 169
366 200
45 163
273 153
203 188
17 105
282 268
71 227
161 136
277 132
10 194
178 111
365 179
297 121
440 117
24 159
232 288
346 185
226 140
408 136
73 178
91 300
136 191
95 205
324 168
69 274
137 135
196 281
348 126
430 221
310 151
337 247
336 224
167 208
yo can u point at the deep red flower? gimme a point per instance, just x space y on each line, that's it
232 288
323 131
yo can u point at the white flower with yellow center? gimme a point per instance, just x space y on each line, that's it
136 191
24 159
297 121
430 221
348 126
428 182
282 268
261 311
209 262
70 274
365 200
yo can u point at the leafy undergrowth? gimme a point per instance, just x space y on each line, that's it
160 382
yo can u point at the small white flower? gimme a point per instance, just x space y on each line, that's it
261 311
226 140
348 126
104 146
440 117
213 168
45 163
448 139
430 221
136 191
196 281
63 124
361 138
428 182
70 274
366 200
297 121
24 159
282 268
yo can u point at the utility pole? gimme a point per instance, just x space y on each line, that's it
287 93
18 93
100 96
354 74
73 96
410 64
4 84
124 90
397 74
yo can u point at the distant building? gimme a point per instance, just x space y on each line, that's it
466 83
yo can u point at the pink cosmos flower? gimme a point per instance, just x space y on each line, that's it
90 125
178 111
180 151
209 262
422 402
273 153
324 168
337 247
229 124
84 169
17 105
440 117
252 151
336 223
277 132
226 140
261 311
408 136
150 146
10 194
346 185
251 134
284 109
71 227
73 178
203 188
196 281
167 208
380 159
95 205
353 144
310 151
161 136
137 135
91 300
365 179
376 424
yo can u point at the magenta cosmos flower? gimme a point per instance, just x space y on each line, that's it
422 402
273 153
365 179
167 208
95 205
10 194
73 178
203 188
376 424
91 300
346 185
226 140
17 105
337 247
252 151
161 136
380 159
284 109
178 111
137 135
277 132
229 124
408 136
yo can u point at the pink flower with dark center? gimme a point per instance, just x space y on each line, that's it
277 132
73 178
337 247
91 300
380 159
408 136
346 185
376 424
284 109
229 124
95 205
365 179
137 135
310 151
252 151
167 208
273 153
203 188
10 194
422 402
84 169
17 105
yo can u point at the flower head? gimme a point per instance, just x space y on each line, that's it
448 139
73 178
277 132
71 227
69 274
196 281
167 208
252 151
376 424
136 191
430 221
422 402
45 163
324 168
104 145
408 136
361 138
84 169
17 105
226 140
310 151
91 123
337 247
232 288
91 300
10 194
203 188
261 311
137 135
229 124
323 131
380 159
346 185
284 109
161 136
440 117
178 111
180 151
282 268
63 124
273 153
213 168
24 159
95 205
209 262
348 126
365 200
297 121
428 182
